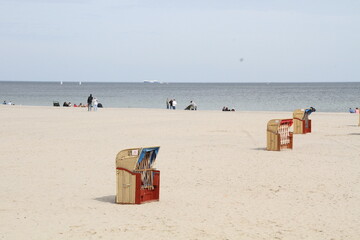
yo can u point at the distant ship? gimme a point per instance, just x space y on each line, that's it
152 81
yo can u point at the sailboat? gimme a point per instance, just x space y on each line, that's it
61 83
79 83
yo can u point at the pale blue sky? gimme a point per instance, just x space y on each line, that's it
180 41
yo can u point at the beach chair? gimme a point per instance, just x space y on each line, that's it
302 123
136 179
56 104
279 135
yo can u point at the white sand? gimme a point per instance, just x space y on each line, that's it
57 176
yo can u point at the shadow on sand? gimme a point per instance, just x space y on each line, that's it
107 199
259 149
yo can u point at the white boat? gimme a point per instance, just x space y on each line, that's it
152 81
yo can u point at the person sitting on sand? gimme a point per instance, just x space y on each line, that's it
226 109
351 110
357 110
193 106
4 102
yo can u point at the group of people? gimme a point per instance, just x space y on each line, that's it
227 109
69 104
171 104
356 110
8 103
92 102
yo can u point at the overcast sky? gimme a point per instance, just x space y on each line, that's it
180 41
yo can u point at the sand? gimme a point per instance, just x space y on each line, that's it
57 175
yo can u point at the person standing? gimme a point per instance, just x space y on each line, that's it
167 103
174 104
89 102
171 103
95 103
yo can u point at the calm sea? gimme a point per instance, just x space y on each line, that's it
325 97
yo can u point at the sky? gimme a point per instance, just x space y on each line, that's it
180 41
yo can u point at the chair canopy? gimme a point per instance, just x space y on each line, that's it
130 158
274 124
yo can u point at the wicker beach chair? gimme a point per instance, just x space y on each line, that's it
136 179
279 135
302 123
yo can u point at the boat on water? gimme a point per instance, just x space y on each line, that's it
152 81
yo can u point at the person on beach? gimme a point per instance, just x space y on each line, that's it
193 106
174 104
95 103
167 103
4 102
357 110
89 102
351 110
171 104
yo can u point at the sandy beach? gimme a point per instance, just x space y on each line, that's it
57 175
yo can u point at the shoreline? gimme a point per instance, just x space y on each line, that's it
177 110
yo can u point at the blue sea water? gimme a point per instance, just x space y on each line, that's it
325 97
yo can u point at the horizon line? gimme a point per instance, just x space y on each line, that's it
82 82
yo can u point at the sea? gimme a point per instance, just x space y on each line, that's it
325 97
